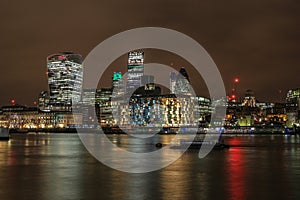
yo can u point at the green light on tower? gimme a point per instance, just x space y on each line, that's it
117 76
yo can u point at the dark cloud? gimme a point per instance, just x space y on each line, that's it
256 40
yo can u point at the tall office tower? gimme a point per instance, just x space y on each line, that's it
135 70
118 84
64 79
182 85
293 95
293 101
43 101
103 99
89 96
173 77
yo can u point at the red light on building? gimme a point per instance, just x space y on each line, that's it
236 80
233 96
13 101
34 103
47 73
61 57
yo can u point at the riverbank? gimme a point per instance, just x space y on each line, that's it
239 131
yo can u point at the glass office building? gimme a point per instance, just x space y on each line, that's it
135 70
64 79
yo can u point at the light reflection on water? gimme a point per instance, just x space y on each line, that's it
57 166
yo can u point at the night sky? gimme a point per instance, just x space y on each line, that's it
257 40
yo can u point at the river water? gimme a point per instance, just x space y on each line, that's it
57 166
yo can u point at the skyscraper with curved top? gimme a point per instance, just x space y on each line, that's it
64 79
182 82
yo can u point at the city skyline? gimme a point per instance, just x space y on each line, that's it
135 101
256 41
161 99
108 82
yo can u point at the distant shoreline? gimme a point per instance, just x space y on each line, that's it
120 132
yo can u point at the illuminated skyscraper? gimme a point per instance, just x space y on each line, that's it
89 96
172 82
293 102
135 70
118 84
179 82
43 100
64 79
293 95
103 97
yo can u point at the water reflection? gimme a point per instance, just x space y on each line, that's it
236 171
58 166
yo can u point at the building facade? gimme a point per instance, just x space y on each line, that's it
64 80
135 70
